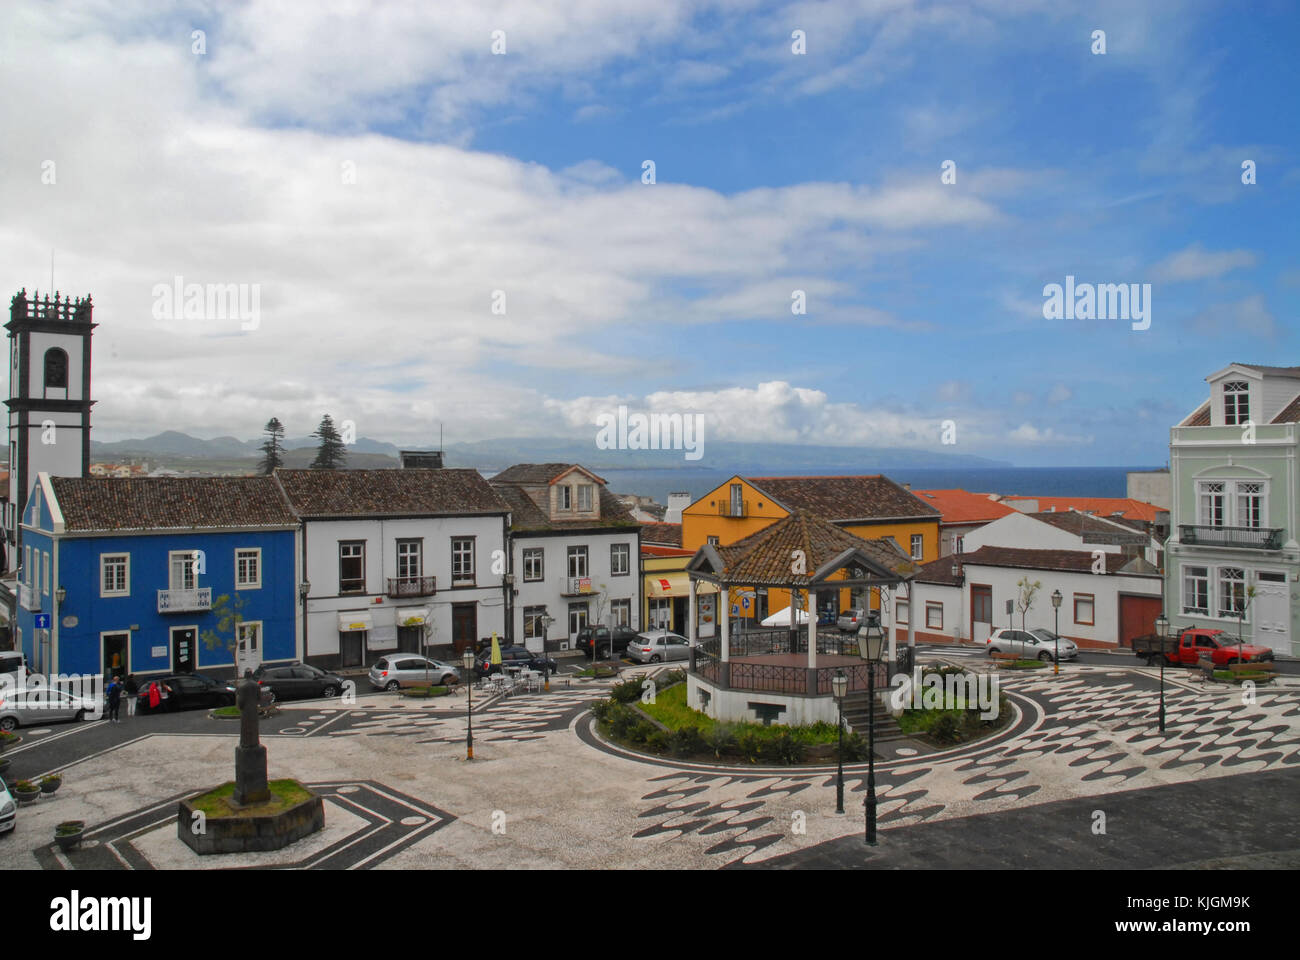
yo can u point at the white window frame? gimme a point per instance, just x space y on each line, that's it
1231 494
931 607
45 572
240 583
574 553
566 497
624 551
1205 578
458 554
27 565
404 553
900 612
918 546
1239 390
104 560
534 556
620 613
530 613
585 498
1222 593
190 562
239 634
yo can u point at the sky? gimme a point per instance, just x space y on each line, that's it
445 214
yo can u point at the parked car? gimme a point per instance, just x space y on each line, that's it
411 670
8 808
296 681
186 691
1038 644
608 641
1186 648
850 620
512 656
28 708
654 646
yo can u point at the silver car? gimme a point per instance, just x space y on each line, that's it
8 808
1036 644
411 670
28 708
655 646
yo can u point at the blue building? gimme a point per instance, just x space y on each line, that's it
127 575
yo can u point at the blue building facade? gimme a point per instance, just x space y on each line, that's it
132 575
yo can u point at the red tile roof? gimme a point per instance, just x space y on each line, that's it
1101 506
365 493
171 503
1069 561
667 534
537 473
962 506
1290 413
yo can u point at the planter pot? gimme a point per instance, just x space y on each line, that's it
24 798
51 787
7 742
72 838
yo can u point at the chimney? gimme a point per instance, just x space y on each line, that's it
421 459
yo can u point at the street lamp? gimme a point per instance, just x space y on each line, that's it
1162 631
547 620
839 687
871 645
1056 608
467 661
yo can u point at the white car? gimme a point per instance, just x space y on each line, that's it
8 808
1036 644
41 705
655 646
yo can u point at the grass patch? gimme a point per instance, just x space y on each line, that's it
1025 664
284 794
437 690
671 710
226 712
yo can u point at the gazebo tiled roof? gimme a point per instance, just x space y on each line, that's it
770 556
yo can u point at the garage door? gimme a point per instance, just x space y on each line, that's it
1137 617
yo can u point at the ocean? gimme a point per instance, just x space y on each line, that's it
1026 481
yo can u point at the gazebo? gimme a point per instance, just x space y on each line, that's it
786 677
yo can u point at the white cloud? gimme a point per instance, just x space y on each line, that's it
1197 263
1250 316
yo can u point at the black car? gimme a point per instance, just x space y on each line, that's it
512 657
298 681
186 691
607 647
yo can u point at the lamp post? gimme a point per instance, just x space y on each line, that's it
467 661
547 620
840 686
1162 631
871 645
1056 609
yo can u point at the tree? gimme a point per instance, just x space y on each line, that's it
272 451
1025 601
1242 604
224 635
331 453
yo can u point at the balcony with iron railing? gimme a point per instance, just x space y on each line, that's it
185 601
411 587
576 587
729 508
1257 538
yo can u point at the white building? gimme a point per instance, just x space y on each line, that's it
575 554
397 560
1107 598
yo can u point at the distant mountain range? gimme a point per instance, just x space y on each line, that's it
180 451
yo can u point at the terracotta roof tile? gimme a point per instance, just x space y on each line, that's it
536 473
1290 413
845 498
526 515
667 534
961 506
1101 506
352 493
1201 418
1069 561
171 503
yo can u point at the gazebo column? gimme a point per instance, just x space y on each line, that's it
812 642
911 629
724 618
691 630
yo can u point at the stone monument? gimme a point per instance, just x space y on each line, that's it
250 756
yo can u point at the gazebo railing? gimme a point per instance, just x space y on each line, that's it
769 677
768 642
780 678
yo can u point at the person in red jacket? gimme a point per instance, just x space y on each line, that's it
155 695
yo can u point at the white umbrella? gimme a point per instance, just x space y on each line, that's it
782 618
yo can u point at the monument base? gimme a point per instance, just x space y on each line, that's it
250 776
290 813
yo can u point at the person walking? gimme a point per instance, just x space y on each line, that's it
115 699
131 690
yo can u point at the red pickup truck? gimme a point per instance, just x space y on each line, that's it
1187 647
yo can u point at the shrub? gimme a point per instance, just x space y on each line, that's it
659 741
669 678
721 739
52 778
640 730
686 742
601 708
25 786
749 745
855 747
620 719
945 727
627 690
784 747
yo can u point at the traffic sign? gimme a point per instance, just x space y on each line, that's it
42 621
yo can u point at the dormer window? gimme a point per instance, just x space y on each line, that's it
1236 402
584 498
566 498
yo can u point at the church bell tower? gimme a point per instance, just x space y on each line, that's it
49 398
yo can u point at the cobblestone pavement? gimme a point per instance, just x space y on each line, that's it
545 790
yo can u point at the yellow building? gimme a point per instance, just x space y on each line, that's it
871 507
